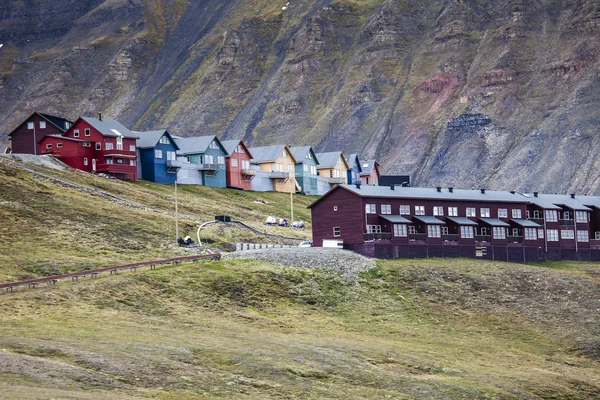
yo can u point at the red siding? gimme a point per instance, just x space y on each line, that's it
235 178
22 138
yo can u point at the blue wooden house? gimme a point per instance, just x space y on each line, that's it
157 156
202 161
355 169
306 168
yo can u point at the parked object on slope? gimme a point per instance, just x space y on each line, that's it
306 243
298 224
283 222
271 220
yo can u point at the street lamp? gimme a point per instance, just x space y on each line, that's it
177 210
292 178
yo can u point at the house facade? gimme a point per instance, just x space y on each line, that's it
96 145
275 166
394 222
306 169
202 161
333 170
27 136
370 172
157 156
237 164
355 169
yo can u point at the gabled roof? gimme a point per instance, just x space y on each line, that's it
300 153
368 166
58 122
352 160
196 144
109 127
551 201
329 160
149 139
231 145
269 153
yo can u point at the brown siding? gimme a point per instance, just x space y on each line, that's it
348 217
22 140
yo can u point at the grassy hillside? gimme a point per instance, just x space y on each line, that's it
47 228
431 329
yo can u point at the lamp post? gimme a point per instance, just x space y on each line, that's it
177 210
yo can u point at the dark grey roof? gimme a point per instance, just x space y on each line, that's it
352 159
109 127
367 166
462 221
299 153
329 160
591 201
396 219
494 222
59 122
429 220
194 145
526 223
149 139
267 153
551 201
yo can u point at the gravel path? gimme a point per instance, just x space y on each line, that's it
344 261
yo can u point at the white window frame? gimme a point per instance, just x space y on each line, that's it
87 132
516 213
567 234
337 231
234 162
530 233
471 212
541 233
245 164
85 161
59 145
171 155
502 213
400 230
370 208
466 232
405 210
552 235
30 125
453 211
434 231
132 147
583 236
76 133
484 212
386 209
109 146
498 232
419 210
373 228
158 153
438 211
42 124
581 217
49 146
551 215
221 160
132 163
305 167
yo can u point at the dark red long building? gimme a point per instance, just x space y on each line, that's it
395 222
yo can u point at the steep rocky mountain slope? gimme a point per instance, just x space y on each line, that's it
465 93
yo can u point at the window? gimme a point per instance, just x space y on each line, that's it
438 210
419 210
245 164
305 168
108 160
85 161
412 230
239 149
567 234
87 144
98 146
551 216
213 145
337 232
42 124
132 147
400 230
503 213
541 233
49 146
31 125
171 155
109 146
530 234
119 161
290 168
76 133
466 232
164 139
132 163
484 212
313 170
221 160
536 214
515 232
499 232
566 215
484 231
434 231
67 125
581 217
583 236
527 214
444 230
386 209
373 228
471 212
453 211
209 159
309 155
234 162
119 143
86 132
280 167
370 208
157 153
553 235
404 210
59 145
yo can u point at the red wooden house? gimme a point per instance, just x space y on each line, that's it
27 136
237 163
96 145
369 174
392 222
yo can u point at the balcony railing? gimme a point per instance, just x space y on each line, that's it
515 239
248 172
207 167
450 238
174 164
566 222
483 238
279 175
116 168
335 180
377 236
419 237
539 221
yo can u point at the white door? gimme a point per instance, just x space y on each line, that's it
93 164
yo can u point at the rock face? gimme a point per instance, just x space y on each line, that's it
464 93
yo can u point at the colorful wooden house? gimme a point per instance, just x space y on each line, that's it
237 164
96 145
333 170
355 169
202 161
157 156
306 169
27 136
275 166
370 172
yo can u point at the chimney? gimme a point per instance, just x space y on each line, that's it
358 185
512 192
100 116
392 187
572 195
535 194
482 191
451 189
439 188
